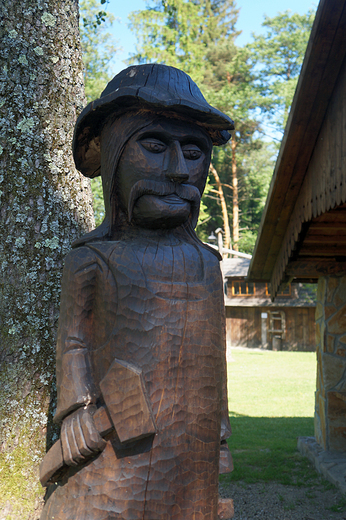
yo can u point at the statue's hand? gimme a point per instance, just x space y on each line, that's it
79 438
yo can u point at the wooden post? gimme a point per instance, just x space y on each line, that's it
235 195
223 207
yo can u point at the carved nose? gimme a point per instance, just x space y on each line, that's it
177 169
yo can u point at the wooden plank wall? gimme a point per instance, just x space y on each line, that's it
324 186
243 325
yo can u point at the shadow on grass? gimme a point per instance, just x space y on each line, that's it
265 449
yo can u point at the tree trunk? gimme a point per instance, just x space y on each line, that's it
235 195
45 204
223 207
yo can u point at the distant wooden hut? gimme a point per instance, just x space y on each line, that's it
253 320
303 231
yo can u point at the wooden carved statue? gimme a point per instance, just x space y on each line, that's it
141 368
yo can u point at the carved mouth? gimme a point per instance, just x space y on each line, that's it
173 199
173 193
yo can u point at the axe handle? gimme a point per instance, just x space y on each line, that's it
53 461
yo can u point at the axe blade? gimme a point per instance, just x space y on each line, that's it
124 393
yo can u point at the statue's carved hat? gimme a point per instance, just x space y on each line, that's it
154 87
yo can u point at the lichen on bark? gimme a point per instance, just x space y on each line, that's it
44 205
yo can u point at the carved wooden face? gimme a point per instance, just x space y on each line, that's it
162 173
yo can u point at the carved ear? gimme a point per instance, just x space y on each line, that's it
88 154
94 146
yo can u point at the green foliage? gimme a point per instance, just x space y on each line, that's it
247 241
227 84
179 32
255 163
98 203
278 55
242 82
264 439
98 47
264 449
308 292
19 480
100 17
340 505
255 173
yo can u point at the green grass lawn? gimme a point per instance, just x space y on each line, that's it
271 403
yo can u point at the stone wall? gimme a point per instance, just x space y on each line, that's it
330 407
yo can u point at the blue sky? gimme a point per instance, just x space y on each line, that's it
250 19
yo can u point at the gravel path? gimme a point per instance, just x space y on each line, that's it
272 501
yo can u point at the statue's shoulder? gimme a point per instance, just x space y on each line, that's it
78 257
210 255
104 252
105 249
80 267
88 256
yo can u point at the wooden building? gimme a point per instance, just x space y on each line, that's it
303 230
253 320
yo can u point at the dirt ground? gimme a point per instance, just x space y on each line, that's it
272 501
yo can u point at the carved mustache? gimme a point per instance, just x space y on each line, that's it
159 188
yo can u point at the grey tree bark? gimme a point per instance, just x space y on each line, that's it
44 205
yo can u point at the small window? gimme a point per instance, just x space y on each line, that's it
286 291
243 289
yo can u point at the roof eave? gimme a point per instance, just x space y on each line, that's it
314 89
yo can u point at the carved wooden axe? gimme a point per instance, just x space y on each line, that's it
127 409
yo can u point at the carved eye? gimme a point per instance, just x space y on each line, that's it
191 152
153 145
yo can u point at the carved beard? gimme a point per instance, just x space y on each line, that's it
150 187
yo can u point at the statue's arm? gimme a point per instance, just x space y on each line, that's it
76 388
226 464
225 424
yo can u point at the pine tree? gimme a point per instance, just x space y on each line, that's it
98 51
228 86
179 32
98 47
278 56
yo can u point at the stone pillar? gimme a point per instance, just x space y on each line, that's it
330 403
